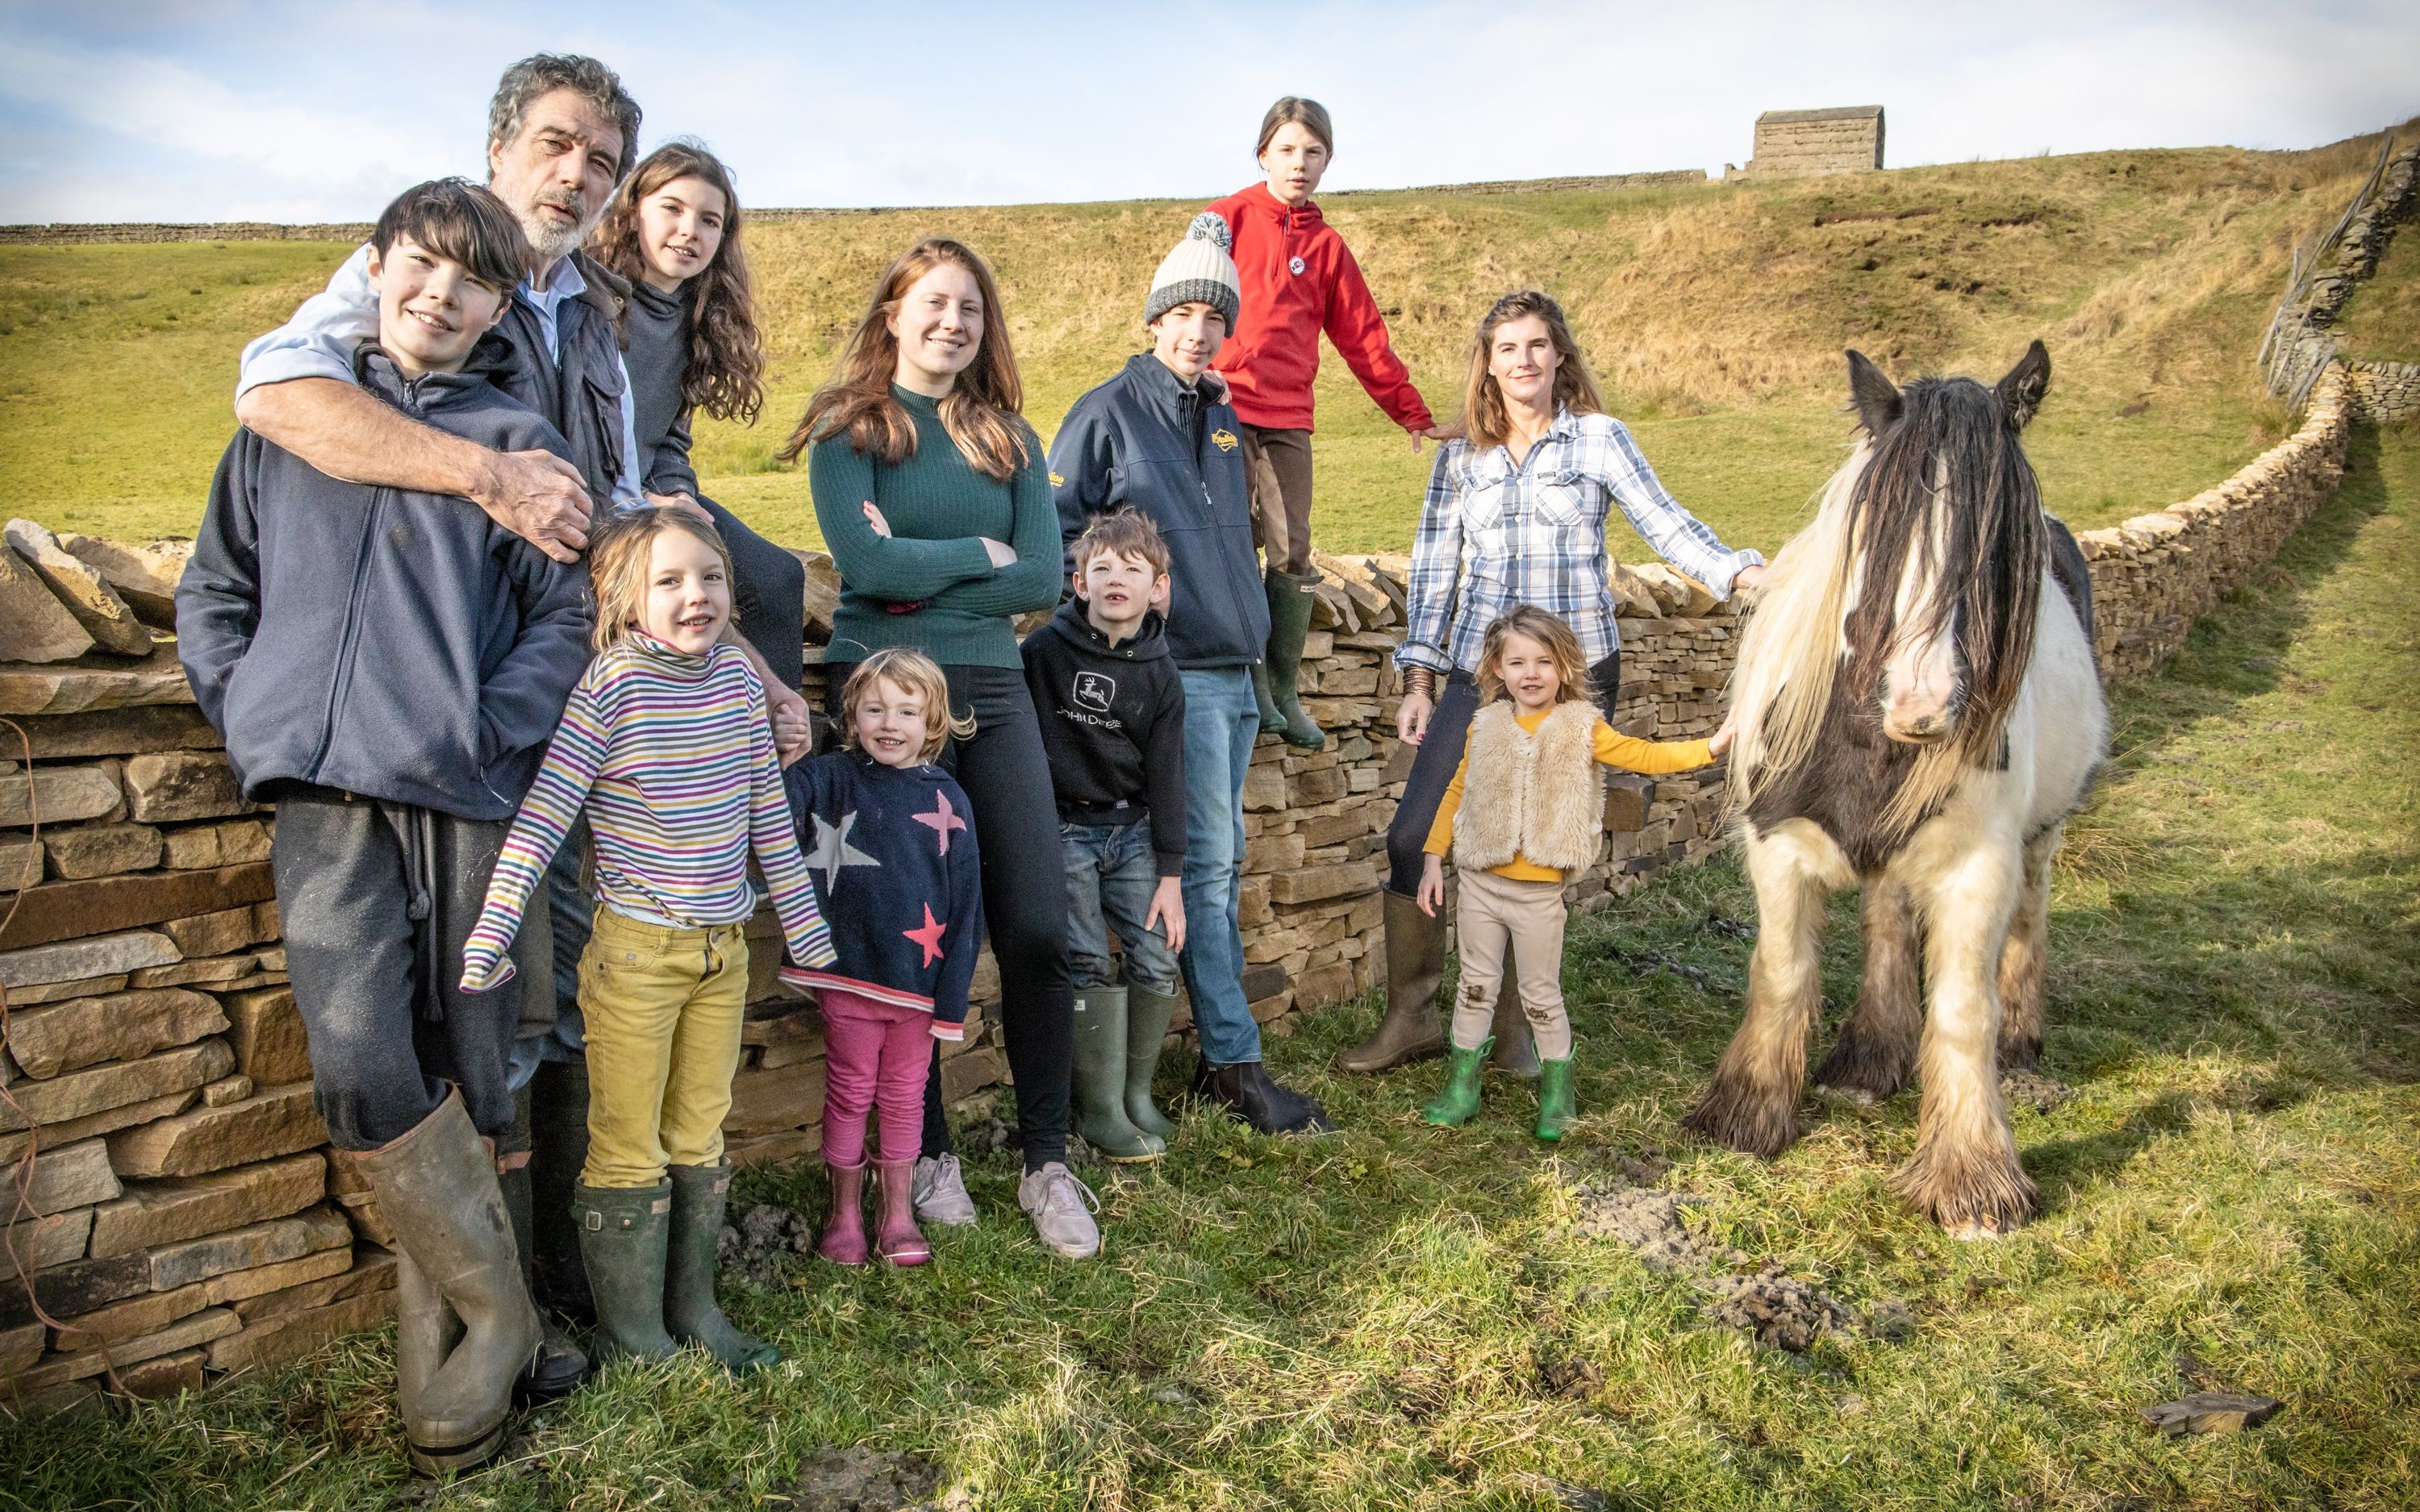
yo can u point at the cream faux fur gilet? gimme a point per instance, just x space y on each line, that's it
1539 797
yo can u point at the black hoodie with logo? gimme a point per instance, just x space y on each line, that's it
1113 725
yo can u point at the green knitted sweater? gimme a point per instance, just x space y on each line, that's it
938 506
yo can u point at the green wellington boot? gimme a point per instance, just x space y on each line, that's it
1147 1016
623 1234
1556 1107
1290 603
1457 1102
1101 1079
691 1315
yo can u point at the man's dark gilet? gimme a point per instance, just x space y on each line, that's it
583 393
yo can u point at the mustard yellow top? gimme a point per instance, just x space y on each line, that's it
1613 749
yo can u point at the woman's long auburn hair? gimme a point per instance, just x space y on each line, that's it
1484 418
983 412
726 374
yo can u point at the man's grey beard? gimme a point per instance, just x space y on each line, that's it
552 242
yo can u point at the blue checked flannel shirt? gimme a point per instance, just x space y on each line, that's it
1494 535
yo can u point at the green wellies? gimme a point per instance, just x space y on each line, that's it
1147 1016
1275 682
1103 1067
1457 1103
650 1255
1556 1107
691 1315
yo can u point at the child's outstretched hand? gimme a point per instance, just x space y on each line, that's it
1723 737
1168 909
1432 894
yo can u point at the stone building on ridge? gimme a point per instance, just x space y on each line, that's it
1805 144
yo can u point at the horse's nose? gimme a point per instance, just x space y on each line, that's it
1916 721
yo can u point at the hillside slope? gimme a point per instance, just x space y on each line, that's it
1715 315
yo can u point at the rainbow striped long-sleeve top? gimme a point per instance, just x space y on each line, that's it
673 756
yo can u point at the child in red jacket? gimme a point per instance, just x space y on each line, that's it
1299 280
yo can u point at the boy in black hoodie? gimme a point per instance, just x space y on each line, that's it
387 667
1112 710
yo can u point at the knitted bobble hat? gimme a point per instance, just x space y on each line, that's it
1198 270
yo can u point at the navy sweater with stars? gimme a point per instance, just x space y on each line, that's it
892 856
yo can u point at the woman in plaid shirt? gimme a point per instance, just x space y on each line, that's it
1515 514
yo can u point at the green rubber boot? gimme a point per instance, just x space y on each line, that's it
1147 1016
1457 1103
1273 719
623 1234
1556 1107
691 1315
1290 603
1101 1079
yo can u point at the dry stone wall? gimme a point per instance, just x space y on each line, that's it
1805 144
180 1216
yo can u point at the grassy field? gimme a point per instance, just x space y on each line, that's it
1403 1318
2382 321
1716 316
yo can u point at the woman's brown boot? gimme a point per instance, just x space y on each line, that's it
1412 1029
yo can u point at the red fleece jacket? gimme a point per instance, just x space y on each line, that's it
1299 279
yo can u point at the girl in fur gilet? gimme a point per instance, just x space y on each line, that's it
1534 817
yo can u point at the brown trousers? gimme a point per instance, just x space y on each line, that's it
1489 912
1277 462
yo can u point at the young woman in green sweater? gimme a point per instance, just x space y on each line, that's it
935 501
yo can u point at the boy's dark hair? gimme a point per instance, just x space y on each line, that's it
1126 533
543 73
463 222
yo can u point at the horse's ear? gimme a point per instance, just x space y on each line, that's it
1874 397
2020 393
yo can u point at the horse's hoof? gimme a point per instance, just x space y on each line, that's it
1751 1128
1858 1095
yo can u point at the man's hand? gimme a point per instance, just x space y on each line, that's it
539 497
1431 893
793 733
1168 909
681 502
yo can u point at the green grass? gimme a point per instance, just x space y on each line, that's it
1715 317
2382 321
1391 1318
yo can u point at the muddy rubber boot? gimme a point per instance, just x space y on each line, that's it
1289 602
560 1366
691 1316
843 1241
1557 1106
623 1232
1413 1028
896 1239
1273 719
1100 1082
436 1187
558 1100
1457 1102
425 1330
1516 1048
1147 1016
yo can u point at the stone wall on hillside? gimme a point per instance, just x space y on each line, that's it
1805 144
181 1207
97 233
2387 393
2301 344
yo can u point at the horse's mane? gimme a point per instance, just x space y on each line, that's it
1948 482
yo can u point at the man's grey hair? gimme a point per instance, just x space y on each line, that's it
542 73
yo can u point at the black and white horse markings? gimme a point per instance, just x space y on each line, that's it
1919 712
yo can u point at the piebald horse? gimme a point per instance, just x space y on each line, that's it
1918 711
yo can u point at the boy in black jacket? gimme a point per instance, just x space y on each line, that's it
387 667
1112 710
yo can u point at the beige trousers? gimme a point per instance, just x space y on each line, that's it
1494 910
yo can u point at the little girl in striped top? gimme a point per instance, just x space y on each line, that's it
667 744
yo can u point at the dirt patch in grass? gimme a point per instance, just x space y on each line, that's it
858 1479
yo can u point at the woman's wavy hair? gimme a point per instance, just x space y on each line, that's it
1547 628
983 410
1483 418
726 374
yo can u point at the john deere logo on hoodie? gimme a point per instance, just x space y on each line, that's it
1095 691
1224 439
1058 482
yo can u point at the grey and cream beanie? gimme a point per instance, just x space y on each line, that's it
1198 270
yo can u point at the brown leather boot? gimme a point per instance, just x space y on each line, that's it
1516 1049
1412 1029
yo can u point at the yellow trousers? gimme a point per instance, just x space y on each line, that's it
663 1007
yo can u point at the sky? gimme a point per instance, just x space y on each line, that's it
210 109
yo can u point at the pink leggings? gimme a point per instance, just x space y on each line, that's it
876 1057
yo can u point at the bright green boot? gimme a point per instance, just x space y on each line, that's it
1289 605
1556 1107
1458 1102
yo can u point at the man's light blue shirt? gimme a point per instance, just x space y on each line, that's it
318 341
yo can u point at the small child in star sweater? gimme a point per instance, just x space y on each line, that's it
894 862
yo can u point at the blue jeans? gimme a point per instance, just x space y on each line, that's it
1222 721
1111 872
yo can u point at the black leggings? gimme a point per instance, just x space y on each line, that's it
768 596
1007 779
1440 752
